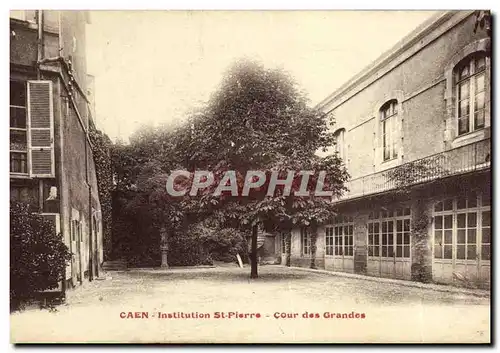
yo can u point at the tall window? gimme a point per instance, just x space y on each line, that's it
470 85
283 241
305 241
389 233
462 228
390 130
340 238
18 131
339 146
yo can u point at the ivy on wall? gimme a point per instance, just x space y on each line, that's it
101 149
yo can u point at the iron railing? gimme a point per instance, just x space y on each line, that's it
472 157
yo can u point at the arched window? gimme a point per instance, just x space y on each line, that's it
470 82
390 130
339 146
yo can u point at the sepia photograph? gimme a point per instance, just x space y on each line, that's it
259 176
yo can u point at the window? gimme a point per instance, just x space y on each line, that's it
18 129
462 228
339 239
329 240
305 241
470 78
339 146
389 233
390 130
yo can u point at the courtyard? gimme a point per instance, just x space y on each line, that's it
222 305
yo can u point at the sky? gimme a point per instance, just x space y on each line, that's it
152 67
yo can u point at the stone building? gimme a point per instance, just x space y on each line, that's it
413 129
51 161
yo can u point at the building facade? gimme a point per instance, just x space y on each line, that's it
51 161
413 130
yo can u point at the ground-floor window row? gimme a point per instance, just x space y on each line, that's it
461 230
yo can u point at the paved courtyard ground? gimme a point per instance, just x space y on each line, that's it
372 311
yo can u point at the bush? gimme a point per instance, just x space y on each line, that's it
38 256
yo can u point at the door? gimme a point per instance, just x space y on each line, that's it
389 239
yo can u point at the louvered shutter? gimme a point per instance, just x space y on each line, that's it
41 129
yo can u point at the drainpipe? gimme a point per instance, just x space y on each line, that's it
40 43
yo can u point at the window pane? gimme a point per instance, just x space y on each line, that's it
461 252
18 117
399 251
376 227
399 239
485 252
438 237
471 220
471 252
406 227
406 251
18 140
438 222
448 221
464 108
18 162
471 236
486 218
370 251
370 227
376 251
399 225
448 237
480 83
18 93
447 252
460 220
461 236
479 119
448 205
463 125
479 101
407 238
376 239
486 236
463 91
390 251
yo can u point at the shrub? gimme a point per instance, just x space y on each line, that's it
38 256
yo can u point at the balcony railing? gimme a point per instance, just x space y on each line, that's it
473 157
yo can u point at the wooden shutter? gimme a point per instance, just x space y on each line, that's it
41 129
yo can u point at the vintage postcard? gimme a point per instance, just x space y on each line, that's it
250 176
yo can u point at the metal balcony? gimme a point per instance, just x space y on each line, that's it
469 158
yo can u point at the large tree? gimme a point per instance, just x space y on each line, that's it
259 120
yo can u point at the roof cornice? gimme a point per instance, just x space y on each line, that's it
374 71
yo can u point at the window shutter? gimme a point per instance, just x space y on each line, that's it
41 129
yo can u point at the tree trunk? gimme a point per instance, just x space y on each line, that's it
164 247
253 257
314 237
288 247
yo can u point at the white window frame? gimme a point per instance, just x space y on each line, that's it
471 79
337 232
339 146
390 132
329 241
393 217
